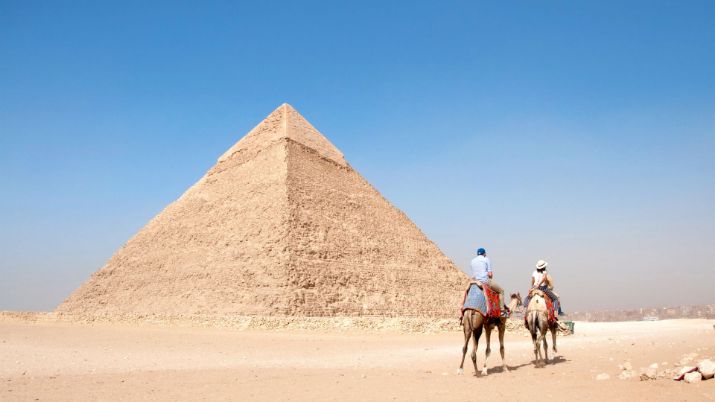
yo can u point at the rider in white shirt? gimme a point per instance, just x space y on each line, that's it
540 279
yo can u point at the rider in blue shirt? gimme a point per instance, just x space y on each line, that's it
481 272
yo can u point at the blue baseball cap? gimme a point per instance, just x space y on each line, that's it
481 251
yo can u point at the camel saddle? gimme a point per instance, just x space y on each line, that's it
483 300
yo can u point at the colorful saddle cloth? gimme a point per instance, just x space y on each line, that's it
550 309
486 303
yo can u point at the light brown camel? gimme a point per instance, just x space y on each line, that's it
537 322
473 323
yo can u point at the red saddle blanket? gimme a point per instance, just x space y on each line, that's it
550 309
493 308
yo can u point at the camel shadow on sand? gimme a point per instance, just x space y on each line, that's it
552 361
500 369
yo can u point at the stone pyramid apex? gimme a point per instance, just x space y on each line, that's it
286 106
284 123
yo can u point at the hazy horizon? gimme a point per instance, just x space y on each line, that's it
582 134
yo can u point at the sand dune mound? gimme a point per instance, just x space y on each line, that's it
280 226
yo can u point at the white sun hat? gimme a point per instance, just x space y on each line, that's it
541 264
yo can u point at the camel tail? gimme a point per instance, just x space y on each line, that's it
533 320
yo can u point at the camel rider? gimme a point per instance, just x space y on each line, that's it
541 279
481 272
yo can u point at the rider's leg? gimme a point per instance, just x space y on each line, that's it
497 288
554 298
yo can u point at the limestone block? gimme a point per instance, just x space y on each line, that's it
706 368
692 377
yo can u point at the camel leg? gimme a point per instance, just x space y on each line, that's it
543 329
477 333
553 338
544 332
533 328
466 327
502 329
488 335
537 345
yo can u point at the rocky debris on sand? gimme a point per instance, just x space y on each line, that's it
626 371
664 374
706 368
257 322
603 376
626 375
649 373
693 377
703 371
683 371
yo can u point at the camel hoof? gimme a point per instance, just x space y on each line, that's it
484 372
505 369
460 371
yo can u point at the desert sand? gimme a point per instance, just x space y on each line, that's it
59 361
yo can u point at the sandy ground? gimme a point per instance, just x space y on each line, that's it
71 362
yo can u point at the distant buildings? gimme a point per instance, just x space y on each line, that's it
646 314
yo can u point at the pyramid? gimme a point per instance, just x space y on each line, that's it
282 225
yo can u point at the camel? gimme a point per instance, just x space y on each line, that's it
473 323
537 320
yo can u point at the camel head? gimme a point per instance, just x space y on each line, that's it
517 296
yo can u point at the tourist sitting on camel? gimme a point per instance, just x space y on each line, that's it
481 274
541 280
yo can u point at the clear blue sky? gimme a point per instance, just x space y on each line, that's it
578 132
